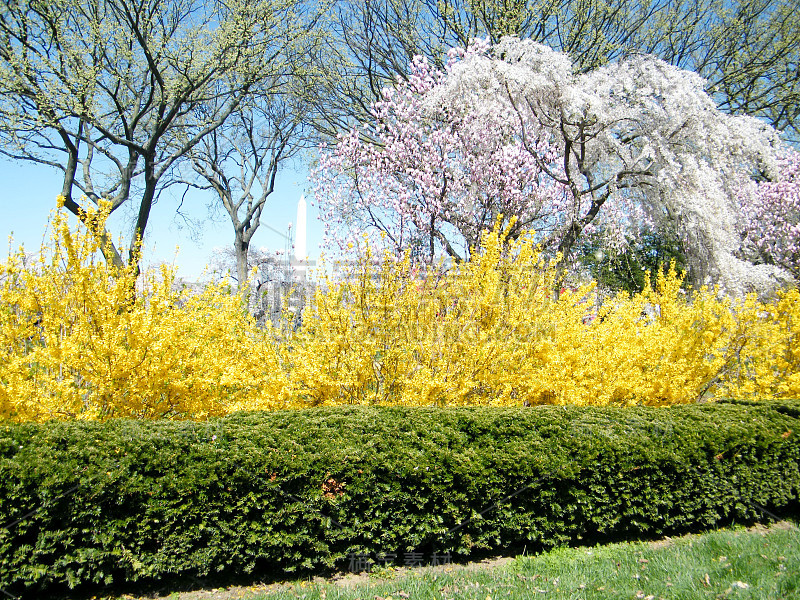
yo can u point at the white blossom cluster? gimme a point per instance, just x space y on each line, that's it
641 128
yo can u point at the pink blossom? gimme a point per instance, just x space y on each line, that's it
771 212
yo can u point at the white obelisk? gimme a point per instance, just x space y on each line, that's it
300 239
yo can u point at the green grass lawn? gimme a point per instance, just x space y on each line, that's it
757 563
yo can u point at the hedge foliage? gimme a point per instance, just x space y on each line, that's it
87 504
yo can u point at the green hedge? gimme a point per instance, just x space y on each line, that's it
89 504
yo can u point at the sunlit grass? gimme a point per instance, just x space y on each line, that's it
724 564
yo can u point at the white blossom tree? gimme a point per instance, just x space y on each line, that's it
629 147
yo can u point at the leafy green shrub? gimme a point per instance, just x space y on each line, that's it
295 490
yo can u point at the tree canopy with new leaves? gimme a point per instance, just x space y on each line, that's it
746 49
114 93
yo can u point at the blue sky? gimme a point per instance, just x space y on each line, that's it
28 195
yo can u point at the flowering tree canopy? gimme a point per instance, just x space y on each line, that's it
614 153
434 177
746 49
772 215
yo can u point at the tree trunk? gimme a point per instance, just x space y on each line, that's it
241 247
137 237
109 251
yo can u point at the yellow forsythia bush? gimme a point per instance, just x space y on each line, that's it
491 332
765 350
81 339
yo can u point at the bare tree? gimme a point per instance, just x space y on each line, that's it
371 44
240 161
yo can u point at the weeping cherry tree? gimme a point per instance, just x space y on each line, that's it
514 131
